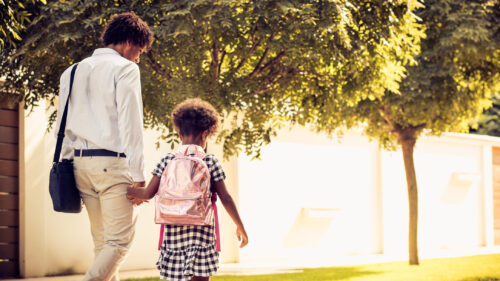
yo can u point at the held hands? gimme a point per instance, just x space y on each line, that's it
242 236
136 201
130 192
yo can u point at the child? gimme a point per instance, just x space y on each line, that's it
189 252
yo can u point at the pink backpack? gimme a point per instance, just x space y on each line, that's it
184 196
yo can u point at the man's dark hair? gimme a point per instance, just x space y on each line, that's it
127 27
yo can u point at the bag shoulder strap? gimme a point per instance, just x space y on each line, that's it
62 126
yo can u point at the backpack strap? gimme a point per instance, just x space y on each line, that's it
162 230
201 154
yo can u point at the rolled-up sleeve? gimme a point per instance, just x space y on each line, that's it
130 119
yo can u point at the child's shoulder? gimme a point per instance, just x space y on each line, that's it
167 157
211 157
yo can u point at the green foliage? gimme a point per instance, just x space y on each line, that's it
489 122
452 81
14 15
261 63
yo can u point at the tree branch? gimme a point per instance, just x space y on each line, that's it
257 70
388 119
268 86
156 66
272 81
272 61
214 65
403 133
221 61
255 44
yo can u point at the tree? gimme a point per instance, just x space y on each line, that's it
451 83
14 15
259 62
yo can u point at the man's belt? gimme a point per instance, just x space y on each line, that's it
97 152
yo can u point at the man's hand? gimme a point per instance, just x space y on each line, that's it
137 201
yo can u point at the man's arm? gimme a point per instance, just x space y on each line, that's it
130 120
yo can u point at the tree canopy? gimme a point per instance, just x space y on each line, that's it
451 83
14 15
455 75
259 62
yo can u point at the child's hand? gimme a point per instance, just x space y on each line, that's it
242 236
134 200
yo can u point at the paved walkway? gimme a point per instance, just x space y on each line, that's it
229 269
291 266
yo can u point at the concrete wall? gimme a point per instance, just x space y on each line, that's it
309 196
312 196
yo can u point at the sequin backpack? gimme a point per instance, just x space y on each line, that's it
184 196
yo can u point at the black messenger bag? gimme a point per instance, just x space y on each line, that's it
62 186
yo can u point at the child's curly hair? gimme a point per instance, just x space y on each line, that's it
194 116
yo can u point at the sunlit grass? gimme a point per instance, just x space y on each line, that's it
475 268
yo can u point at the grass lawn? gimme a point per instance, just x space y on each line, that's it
475 268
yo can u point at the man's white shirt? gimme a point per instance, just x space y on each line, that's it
105 108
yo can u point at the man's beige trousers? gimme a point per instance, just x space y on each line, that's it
103 183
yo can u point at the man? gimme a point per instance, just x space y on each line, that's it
104 137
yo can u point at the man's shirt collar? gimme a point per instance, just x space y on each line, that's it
105 51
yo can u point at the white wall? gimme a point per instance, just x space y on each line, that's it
308 200
361 194
50 243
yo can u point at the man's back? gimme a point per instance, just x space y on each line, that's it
93 112
105 108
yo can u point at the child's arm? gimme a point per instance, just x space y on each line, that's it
145 193
228 203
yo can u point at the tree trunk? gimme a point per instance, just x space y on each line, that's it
408 145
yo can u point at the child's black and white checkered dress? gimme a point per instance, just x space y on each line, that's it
189 250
